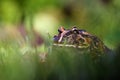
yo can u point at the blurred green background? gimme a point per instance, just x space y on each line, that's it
25 26
99 17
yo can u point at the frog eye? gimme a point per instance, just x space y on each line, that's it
61 29
74 28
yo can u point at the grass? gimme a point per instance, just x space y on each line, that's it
13 64
63 63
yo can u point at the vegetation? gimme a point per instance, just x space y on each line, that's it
27 51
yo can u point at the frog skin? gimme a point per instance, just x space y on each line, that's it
78 37
72 35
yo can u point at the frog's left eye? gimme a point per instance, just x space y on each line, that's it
61 29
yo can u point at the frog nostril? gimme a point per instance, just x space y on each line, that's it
56 38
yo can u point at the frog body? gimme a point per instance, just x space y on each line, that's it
79 37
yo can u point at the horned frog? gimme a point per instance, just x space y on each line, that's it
79 38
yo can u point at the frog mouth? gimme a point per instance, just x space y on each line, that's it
70 45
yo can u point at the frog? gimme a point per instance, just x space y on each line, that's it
79 37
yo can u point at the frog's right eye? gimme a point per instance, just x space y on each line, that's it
74 28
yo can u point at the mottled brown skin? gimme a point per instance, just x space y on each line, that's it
95 45
80 39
